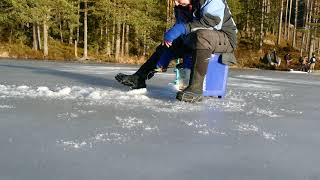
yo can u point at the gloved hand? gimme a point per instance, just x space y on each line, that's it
174 32
160 69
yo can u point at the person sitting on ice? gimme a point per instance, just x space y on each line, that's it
212 30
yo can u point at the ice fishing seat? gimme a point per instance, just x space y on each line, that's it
215 82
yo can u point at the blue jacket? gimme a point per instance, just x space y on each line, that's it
205 14
213 14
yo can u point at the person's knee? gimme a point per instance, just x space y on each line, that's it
202 40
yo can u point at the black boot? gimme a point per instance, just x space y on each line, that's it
146 71
133 81
194 92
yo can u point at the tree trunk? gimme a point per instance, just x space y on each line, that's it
316 21
78 21
144 44
267 20
45 40
118 42
113 36
137 42
101 33
318 45
312 29
295 24
107 40
76 48
307 12
71 34
169 19
168 14
289 20
85 38
247 20
39 36
308 38
34 37
280 23
60 28
11 34
302 43
311 45
261 25
286 20
127 40
123 39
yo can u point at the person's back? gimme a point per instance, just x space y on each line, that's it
312 63
313 59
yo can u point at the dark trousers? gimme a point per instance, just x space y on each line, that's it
202 41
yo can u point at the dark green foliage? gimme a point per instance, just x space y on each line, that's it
145 18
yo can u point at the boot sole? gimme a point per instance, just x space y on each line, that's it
189 97
119 78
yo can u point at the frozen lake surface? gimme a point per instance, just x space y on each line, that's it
68 121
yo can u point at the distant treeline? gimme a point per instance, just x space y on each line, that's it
122 28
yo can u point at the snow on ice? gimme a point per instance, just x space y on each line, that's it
238 99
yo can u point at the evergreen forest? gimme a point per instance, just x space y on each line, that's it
127 31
